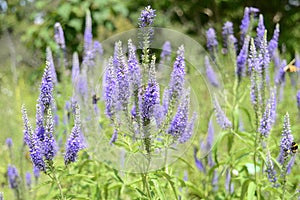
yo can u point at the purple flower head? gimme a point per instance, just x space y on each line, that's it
133 67
114 137
298 99
49 58
59 35
260 30
122 77
179 123
13 177
75 68
49 143
242 59
188 130
211 40
280 76
110 89
36 173
290 164
273 103
45 98
166 51
273 44
9 142
286 140
40 130
271 172
27 127
28 179
253 10
75 141
222 120
210 73
177 77
198 162
147 17
149 98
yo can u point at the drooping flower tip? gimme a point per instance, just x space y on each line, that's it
273 44
222 120
13 176
147 17
242 59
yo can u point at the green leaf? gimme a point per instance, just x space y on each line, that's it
251 190
76 24
64 11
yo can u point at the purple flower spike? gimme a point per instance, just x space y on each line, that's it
166 51
147 17
49 58
179 123
188 130
198 162
211 40
150 98
245 24
75 141
177 77
210 136
265 122
280 76
210 73
114 137
260 30
45 98
36 152
122 76
36 173
133 67
28 179
297 60
27 127
227 30
9 142
273 44
88 36
59 35
75 68
110 89
298 99
50 147
286 141
271 172
242 59
13 177
222 120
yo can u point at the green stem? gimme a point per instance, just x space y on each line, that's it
145 184
55 178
